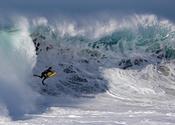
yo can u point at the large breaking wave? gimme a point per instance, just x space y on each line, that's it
130 58
133 42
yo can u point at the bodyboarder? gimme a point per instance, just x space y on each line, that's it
46 74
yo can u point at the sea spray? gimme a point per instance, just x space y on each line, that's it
17 55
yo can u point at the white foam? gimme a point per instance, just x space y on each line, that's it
17 60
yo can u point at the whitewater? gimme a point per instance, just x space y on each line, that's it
110 71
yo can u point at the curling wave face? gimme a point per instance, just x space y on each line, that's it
107 56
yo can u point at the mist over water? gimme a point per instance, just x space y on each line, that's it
17 55
82 9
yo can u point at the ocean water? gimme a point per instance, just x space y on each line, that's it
109 71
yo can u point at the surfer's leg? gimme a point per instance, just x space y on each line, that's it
37 76
43 81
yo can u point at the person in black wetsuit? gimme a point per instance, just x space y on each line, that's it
44 74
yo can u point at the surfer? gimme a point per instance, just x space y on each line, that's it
46 74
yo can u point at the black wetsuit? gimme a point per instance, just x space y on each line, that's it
44 75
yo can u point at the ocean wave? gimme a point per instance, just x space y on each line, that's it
111 56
